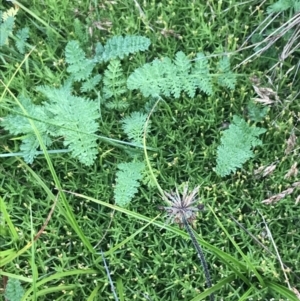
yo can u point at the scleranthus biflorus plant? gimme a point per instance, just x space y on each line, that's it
182 210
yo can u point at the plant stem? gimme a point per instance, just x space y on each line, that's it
200 256
108 275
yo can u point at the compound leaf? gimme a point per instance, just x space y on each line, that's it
79 66
236 144
127 181
133 125
114 80
22 35
119 47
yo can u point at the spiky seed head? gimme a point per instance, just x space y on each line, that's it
182 206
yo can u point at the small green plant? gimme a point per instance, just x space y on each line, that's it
62 114
236 144
56 118
73 117
78 65
130 174
14 290
133 126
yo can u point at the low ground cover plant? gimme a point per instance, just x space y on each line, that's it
106 108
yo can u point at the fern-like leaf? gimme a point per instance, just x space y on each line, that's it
17 124
119 47
30 145
22 35
63 115
79 66
165 78
155 79
53 94
79 31
75 118
134 125
183 66
127 182
14 290
91 83
255 112
236 144
117 104
201 76
114 80
226 78
6 28
281 6
150 79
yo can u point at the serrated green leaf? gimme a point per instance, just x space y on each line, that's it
114 80
22 36
6 28
79 66
127 182
119 47
91 83
133 126
236 144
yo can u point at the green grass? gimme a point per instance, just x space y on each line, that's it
147 257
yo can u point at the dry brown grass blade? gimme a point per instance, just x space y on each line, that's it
264 171
292 172
277 197
170 32
47 220
285 272
290 143
274 37
288 50
105 25
142 15
296 292
290 46
267 95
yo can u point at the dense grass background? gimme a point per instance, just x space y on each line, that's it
159 262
